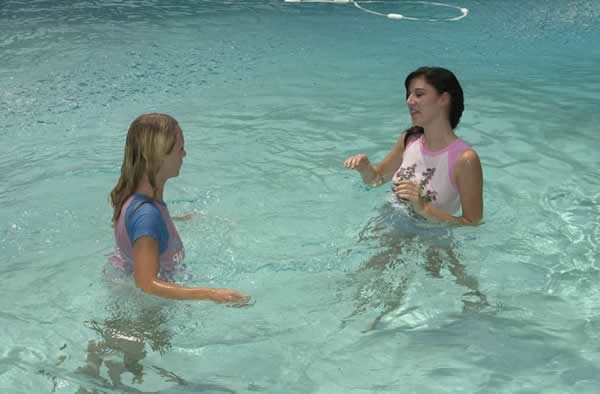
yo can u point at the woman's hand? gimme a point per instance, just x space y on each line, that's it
357 162
228 295
409 191
186 216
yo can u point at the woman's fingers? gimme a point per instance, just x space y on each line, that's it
407 191
355 161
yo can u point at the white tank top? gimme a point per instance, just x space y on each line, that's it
433 172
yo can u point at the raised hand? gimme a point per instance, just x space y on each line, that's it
357 162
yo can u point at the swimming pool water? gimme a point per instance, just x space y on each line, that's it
272 97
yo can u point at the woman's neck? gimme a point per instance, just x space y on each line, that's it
146 189
438 135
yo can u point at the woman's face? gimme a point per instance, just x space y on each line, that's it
425 104
173 161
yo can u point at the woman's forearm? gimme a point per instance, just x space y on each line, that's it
371 175
433 213
164 289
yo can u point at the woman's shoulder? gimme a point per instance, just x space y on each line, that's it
464 144
468 160
143 218
142 206
463 150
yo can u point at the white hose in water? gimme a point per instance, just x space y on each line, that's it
357 3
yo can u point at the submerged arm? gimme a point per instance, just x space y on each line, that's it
146 268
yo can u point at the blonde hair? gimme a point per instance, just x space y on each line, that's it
149 139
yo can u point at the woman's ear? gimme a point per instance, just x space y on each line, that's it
445 98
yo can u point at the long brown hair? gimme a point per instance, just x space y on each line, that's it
150 137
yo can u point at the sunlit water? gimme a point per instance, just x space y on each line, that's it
272 98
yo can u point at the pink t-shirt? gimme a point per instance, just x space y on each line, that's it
144 216
433 172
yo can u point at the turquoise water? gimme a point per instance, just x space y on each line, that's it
272 98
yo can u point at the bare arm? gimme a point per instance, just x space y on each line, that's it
469 180
146 268
378 174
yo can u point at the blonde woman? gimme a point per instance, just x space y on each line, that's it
147 243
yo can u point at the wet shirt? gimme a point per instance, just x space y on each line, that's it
433 172
143 216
